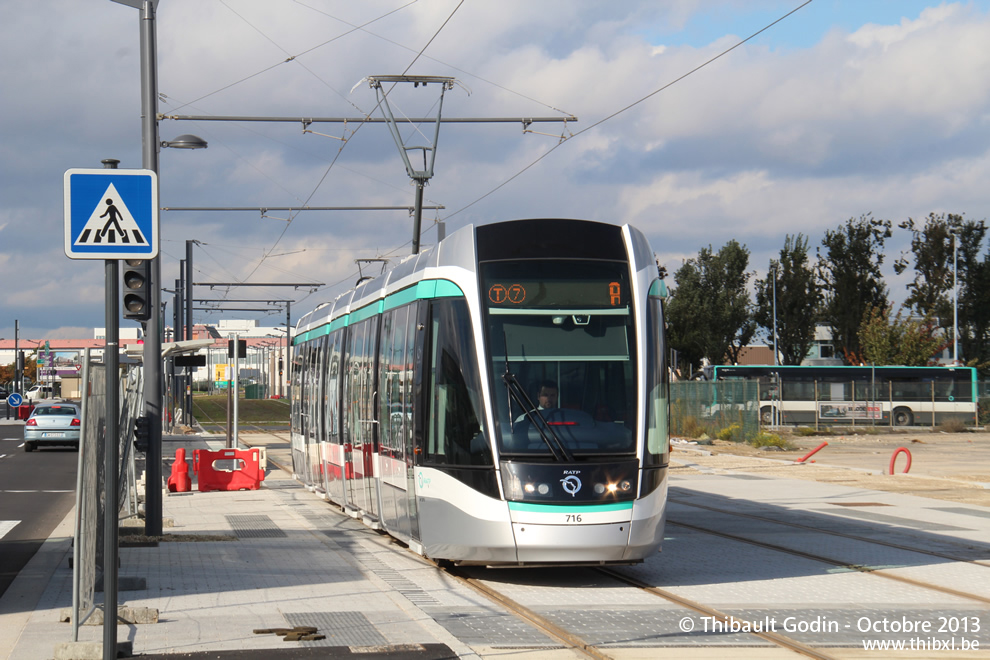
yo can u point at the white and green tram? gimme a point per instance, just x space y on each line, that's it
415 401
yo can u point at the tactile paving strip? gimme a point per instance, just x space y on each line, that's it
254 526
340 628
397 581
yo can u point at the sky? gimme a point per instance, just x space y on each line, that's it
836 109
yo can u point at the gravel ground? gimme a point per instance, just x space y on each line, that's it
954 467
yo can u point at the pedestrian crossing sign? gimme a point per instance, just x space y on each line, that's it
111 214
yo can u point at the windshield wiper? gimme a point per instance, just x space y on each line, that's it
543 427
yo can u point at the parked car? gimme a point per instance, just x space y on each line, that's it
4 393
52 424
39 392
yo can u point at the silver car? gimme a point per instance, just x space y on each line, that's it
52 424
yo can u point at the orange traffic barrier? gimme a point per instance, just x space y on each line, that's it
812 453
245 472
893 459
179 481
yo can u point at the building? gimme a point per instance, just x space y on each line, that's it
266 361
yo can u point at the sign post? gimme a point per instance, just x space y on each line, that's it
111 214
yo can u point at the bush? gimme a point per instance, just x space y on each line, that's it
691 427
764 439
805 431
953 426
731 433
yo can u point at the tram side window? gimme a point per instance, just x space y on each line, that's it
311 386
455 434
657 402
358 388
394 359
297 378
332 385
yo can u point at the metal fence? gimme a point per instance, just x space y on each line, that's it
728 410
87 550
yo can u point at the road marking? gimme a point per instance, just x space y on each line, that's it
6 526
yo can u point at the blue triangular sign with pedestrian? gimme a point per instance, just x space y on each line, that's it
111 222
111 214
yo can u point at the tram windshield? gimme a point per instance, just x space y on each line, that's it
561 339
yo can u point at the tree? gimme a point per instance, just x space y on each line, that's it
931 245
974 314
709 314
798 297
907 342
849 273
945 246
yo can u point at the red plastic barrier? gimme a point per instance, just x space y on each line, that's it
812 452
24 410
246 475
180 482
893 459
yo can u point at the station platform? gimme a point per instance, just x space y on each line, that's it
280 557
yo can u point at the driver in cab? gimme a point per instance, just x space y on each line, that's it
546 398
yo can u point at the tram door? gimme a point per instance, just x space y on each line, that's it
359 414
395 396
312 417
333 454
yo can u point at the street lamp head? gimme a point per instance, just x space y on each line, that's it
186 141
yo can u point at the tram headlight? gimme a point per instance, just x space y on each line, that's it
541 489
612 488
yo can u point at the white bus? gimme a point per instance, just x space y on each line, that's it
880 396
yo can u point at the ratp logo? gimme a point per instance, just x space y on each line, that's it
571 484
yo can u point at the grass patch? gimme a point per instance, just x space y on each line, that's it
953 426
867 430
731 433
764 439
213 409
806 431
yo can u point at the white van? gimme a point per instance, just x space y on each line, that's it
38 392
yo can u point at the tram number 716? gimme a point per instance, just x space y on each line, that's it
573 517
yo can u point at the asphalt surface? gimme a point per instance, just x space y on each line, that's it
37 490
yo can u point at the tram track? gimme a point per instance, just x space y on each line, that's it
773 637
845 535
878 572
570 640
575 642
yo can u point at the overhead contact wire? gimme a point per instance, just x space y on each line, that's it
628 107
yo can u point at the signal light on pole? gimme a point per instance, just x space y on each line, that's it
142 433
137 296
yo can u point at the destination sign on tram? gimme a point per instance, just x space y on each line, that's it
527 293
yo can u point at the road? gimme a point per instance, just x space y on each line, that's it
37 490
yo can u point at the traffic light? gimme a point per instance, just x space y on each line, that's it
142 434
137 294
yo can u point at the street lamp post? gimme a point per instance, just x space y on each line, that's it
776 362
150 146
955 300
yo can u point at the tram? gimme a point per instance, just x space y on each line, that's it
417 397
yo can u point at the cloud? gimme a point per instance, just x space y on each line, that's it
887 116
